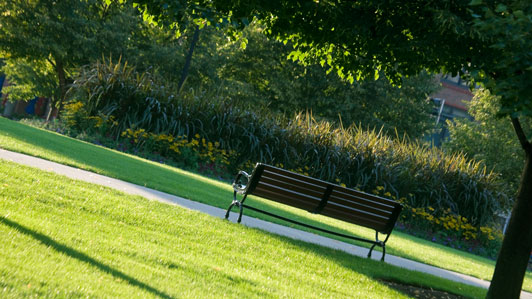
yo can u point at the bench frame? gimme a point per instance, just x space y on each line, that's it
248 188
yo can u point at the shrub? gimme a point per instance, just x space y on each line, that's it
196 153
108 89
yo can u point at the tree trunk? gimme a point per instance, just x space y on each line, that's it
51 106
513 258
60 69
184 72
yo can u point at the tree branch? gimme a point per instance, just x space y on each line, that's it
51 62
525 144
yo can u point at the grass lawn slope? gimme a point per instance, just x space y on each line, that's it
65 238
51 146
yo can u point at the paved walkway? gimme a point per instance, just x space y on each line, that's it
91 177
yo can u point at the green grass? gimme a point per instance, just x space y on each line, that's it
66 238
21 138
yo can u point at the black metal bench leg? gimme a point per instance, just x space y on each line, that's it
229 210
240 214
241 205
383 245
371 249
374 244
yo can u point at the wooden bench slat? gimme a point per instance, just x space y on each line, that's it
373 198
368 200
297 186
290 174
282 196
333 207
362 205
289 192
378 226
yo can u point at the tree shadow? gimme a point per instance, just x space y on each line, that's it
81 257
381 272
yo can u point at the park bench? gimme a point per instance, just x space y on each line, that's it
319 197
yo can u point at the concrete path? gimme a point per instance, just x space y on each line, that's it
91 177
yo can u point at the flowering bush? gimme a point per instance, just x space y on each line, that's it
194 152
446 228
78 119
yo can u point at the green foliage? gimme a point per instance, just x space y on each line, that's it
400 38
260 76
32 77
191 153
450 229
506 29
44 42
489 138
352 156
115 89
155 50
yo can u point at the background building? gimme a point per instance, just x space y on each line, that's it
450 102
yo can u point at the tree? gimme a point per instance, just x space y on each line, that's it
487 40
489 138
59 35
33 77
260 75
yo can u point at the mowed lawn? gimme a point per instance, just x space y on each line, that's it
65 238
21 138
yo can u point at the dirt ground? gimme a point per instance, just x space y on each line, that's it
419 292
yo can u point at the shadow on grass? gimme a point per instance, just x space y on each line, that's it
382 271
81 256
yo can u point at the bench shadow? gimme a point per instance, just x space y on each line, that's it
71 252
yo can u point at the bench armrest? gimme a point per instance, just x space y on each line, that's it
237 183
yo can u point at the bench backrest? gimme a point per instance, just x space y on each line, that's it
317 196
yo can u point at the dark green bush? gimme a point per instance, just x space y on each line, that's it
132 99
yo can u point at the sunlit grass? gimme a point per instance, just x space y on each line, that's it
66 238
21 138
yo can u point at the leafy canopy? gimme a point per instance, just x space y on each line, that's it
358 39
489 41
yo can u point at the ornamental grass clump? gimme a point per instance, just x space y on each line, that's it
365 159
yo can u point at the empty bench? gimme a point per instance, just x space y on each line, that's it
319 197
